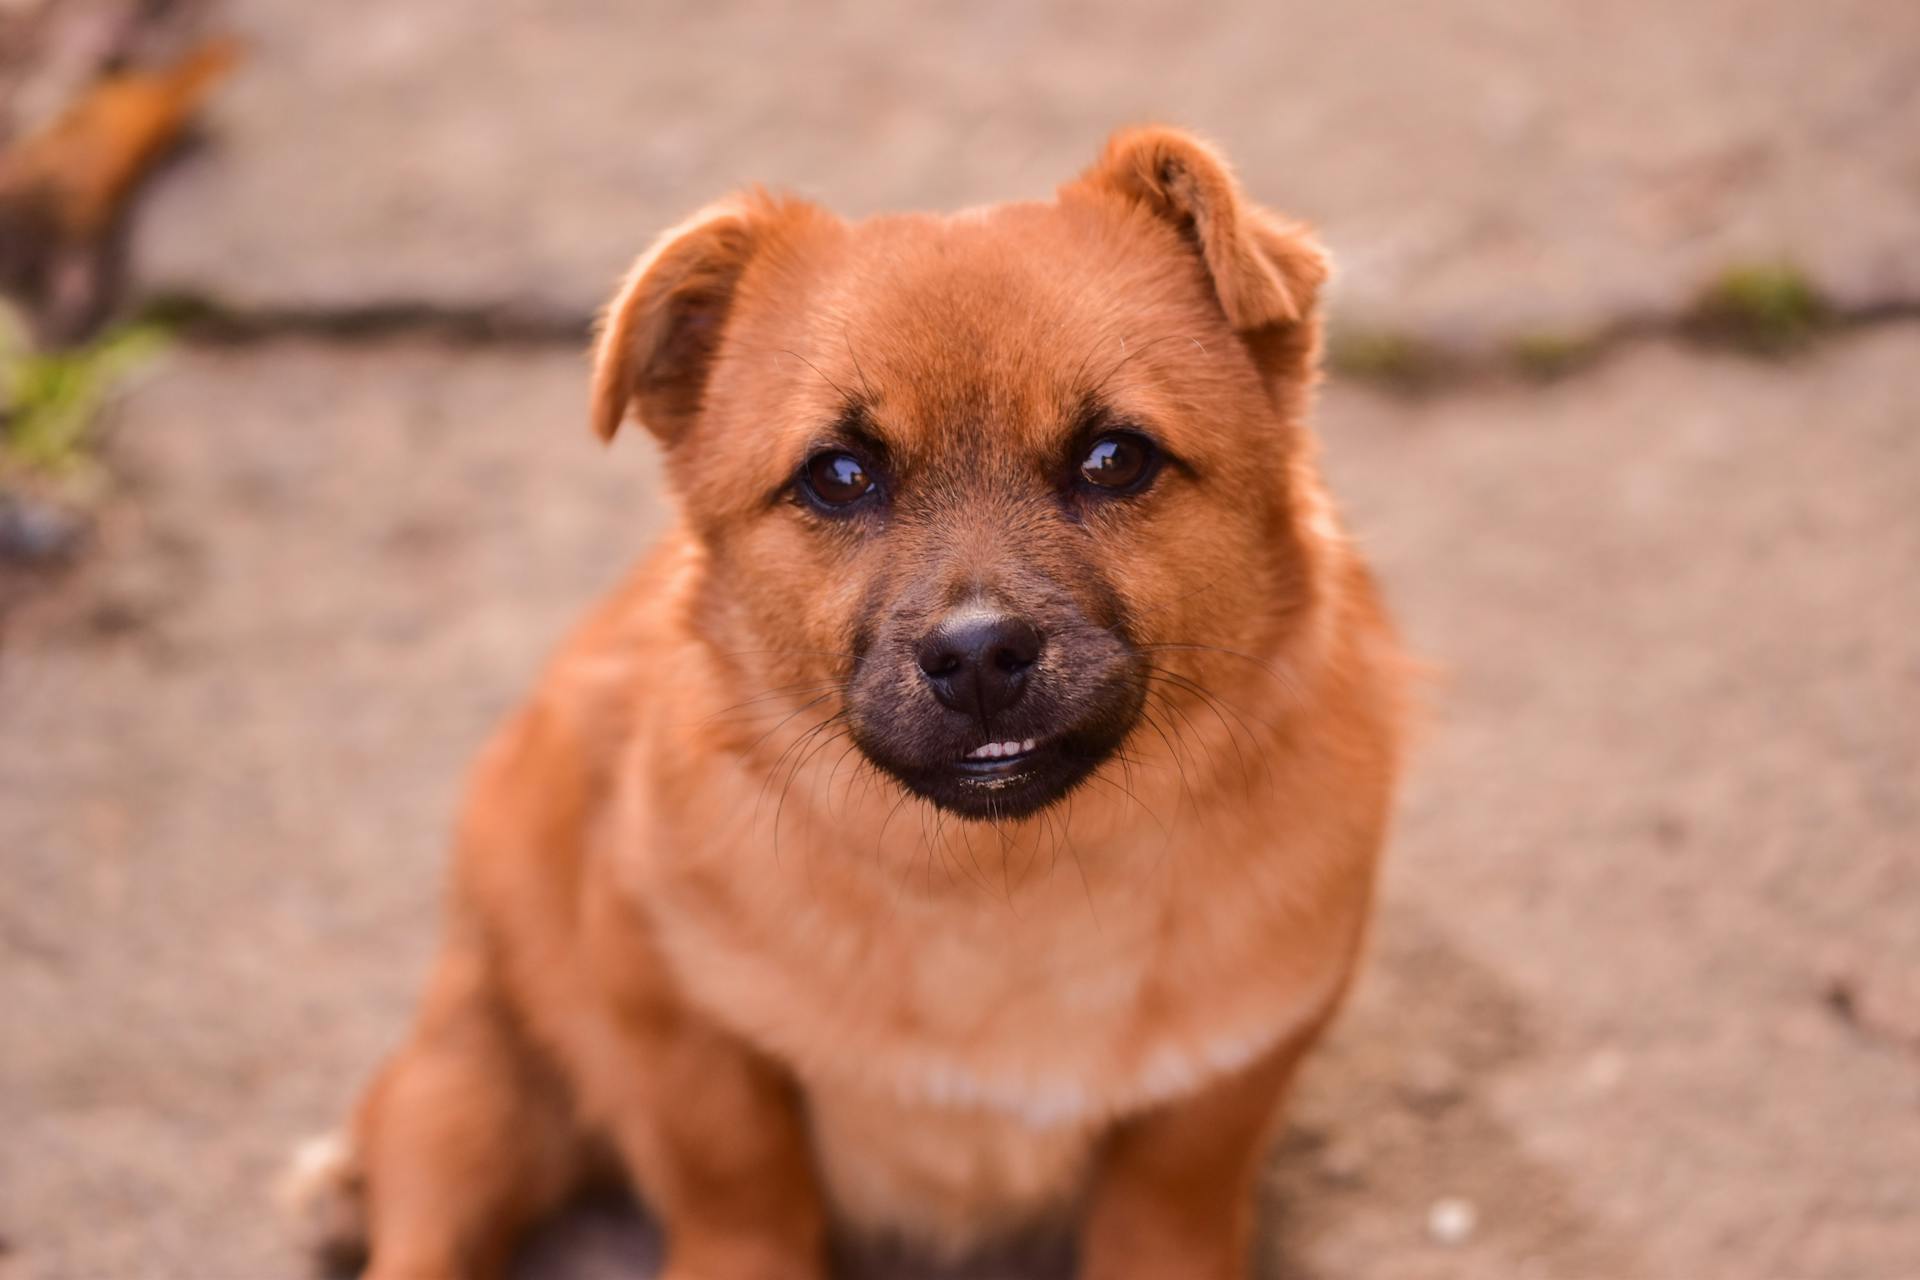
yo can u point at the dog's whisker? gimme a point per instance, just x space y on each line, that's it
1182 598
833 774
773 771
802 709
786 652
725 716
1223 706
1193 741
800 756
1125 789
1073 851
1173 753
949 858
1282 678
845 395
1128 357
1233 729
1214 703
859 372
820 748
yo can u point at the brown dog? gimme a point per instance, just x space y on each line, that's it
967 816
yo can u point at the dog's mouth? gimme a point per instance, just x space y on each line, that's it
1009 777
998 759
1005 778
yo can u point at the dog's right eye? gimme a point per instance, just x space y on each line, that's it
835 479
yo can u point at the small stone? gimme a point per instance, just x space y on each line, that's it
33 531
1344 1161
1451 1220
1431 1082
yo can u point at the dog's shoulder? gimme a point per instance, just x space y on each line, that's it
544 778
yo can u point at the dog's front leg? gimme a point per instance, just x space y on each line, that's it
710 1130
1175 1194
712 1135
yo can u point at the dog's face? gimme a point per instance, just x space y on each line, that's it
983 481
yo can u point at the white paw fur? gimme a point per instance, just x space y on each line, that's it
322 1197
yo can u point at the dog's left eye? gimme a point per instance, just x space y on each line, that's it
1120 462
835 479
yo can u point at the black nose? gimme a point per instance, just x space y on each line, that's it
979 660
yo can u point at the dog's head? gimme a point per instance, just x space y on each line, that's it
980 481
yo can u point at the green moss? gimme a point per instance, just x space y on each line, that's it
1384 356
50 401
1769 308
1546 356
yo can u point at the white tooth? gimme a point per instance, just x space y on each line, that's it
1010 748
991 750
1027 745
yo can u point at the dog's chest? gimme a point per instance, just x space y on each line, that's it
960 1070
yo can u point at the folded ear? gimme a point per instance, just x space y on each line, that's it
659 335
1266 271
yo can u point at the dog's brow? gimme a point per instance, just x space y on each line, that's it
844 394
857 426
1091 415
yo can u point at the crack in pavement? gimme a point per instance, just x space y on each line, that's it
208 322
1429 368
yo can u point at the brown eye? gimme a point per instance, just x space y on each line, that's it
1119 463
835 479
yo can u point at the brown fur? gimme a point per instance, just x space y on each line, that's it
691 925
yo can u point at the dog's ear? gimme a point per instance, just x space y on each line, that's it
1266 271
658 337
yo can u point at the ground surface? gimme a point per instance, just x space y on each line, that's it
1482 167
1646 991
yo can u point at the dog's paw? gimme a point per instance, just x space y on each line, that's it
323 1197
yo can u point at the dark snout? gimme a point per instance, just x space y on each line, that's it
1000 674
993 709
977 660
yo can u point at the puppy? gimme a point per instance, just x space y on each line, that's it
966 817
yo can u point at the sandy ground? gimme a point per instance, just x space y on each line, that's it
1646 991
1668 799
1483 168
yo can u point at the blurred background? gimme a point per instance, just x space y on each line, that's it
296 489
